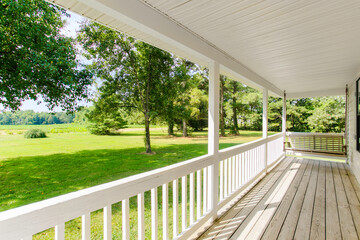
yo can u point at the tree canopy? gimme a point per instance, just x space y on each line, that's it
35 59
134 73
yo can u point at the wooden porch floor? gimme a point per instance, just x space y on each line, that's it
299 199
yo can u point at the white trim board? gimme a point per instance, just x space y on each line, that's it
323 93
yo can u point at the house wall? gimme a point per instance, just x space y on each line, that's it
353 154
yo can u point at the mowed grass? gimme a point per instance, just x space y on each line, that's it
36 169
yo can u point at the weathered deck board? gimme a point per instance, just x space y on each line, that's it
317 231
273 203
347 226
304 223
332 222
289 226
229 222
274 227
300 199
352 198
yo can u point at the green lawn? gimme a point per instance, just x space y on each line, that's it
35 169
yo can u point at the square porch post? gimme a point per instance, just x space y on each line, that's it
213 136
265 125
284 119
284 114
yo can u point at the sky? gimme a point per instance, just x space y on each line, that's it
72 25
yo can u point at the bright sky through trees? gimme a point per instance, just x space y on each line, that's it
72 25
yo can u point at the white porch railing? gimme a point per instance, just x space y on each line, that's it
238 165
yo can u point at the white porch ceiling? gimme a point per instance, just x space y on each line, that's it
308 48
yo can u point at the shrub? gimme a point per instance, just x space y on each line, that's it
35 133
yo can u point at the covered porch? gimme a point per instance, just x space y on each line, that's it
249 191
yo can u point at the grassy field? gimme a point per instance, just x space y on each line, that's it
35 169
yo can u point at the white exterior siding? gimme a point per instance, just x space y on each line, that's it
353 154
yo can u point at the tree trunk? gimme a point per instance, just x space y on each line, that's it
235 125
147 133
170 128
234 117
222 110
185 134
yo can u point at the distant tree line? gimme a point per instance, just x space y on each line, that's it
242 112
29 117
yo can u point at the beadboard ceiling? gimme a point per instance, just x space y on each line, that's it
308 48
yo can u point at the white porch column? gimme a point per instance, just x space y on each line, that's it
284 120
213 135
284 114
265 113
265 124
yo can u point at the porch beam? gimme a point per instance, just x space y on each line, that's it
169 35
322 93
213 135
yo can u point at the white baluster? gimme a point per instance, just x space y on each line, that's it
230 175
205 188
141 223
210 179
221 180
175 208
165 200
154 214
242 173
184 202
233 187
107 223
125 219
192 198
226 179
85 222
60 231
198 194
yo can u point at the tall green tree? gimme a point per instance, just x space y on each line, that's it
251 111
198 104
106 116
234 103
191 103
298 111
35 59
177 84
275 114
132 71
328 115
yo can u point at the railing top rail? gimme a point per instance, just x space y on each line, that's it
227 152
275 136
314 134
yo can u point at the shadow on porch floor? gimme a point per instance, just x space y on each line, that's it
300 199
